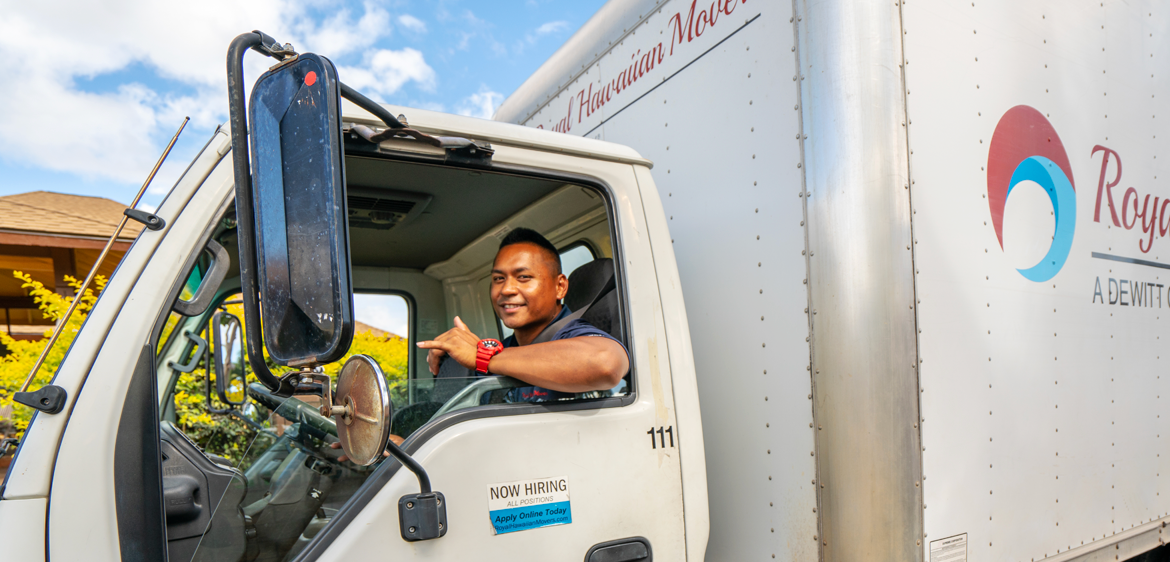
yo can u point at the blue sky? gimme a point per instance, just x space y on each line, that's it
96 89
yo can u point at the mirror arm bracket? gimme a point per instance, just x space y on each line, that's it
421 516
270 47
249 281
424 481
149 220
49 399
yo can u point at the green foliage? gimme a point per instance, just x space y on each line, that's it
23 354
220 434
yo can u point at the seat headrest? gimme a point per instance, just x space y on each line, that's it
588 281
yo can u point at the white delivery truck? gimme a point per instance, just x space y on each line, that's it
892 362
896 360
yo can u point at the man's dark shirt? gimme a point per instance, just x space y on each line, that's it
575 329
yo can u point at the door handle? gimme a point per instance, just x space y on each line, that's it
633 549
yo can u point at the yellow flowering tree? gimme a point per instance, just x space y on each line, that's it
220 434
22 354
392 354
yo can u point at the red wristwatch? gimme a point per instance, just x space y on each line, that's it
484 353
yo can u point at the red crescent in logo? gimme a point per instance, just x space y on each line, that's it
1021 132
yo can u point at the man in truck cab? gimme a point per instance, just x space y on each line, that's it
527 287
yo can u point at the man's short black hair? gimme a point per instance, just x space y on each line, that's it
529 236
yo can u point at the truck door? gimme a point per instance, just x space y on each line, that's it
532 481
546 481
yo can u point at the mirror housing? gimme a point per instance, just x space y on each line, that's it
301 229
227 341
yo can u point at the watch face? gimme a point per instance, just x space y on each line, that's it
489 344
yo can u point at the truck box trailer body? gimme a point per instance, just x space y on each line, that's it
896 361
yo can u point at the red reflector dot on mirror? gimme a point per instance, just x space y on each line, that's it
310 78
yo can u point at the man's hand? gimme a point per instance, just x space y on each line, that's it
458 342
393 438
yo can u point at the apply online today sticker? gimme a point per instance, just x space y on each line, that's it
529 504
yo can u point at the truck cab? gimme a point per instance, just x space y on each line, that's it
116 474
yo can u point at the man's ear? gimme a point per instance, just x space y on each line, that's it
562 286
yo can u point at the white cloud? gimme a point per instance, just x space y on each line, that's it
117 133
412 23
535 35
340 35
552 27
482 104
385 71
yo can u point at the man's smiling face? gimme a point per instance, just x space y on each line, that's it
526 286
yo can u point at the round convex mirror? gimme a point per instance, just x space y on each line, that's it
361 407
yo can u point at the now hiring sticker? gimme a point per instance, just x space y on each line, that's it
529 504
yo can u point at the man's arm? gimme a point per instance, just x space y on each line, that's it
570 365
576 364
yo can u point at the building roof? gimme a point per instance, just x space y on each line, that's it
359 327
45 212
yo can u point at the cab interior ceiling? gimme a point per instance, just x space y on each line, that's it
412 215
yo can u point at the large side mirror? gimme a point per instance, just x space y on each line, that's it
227 341
301 228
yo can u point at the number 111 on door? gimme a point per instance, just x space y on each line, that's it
660 440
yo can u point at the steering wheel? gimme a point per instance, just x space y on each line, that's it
472 395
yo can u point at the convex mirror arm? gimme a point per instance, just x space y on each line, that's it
370 105
244 214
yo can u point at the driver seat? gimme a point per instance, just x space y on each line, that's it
594 285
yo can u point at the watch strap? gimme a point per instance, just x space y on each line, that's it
484 351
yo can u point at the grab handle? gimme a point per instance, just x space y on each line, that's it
200 349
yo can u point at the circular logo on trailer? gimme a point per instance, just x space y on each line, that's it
1025 147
